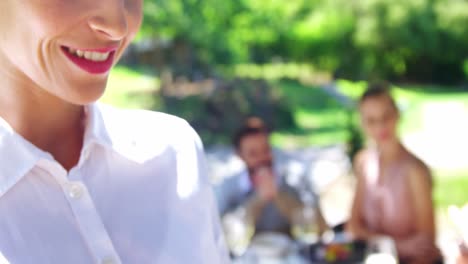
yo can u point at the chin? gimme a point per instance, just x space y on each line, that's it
387 142
85 100
84 96
80 89
89 92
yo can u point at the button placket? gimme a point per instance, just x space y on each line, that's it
87 217
108 260
75 190
89 221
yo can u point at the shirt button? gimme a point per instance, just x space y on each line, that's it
75 190
108 261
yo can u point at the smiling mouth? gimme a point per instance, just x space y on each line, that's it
90 55
91 61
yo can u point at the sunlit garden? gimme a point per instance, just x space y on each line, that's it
301 66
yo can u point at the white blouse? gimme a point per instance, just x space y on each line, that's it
138 195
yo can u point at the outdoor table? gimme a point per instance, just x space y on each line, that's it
379 250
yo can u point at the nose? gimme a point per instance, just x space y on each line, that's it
110 19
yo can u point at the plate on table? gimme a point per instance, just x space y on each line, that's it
337 252
271 244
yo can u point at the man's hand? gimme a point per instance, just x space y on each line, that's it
265 184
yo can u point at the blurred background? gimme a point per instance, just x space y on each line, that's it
300 65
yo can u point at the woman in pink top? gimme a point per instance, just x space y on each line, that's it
462 258
393 196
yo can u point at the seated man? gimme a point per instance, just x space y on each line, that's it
264 194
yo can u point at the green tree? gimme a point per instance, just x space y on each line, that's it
422 40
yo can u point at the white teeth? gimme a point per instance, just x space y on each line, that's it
104 56
90 55
96 56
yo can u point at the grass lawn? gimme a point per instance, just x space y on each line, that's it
320 119
450 187
129 88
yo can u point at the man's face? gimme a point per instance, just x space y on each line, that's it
255 151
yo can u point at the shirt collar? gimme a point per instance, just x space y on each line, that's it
96 131
129 133
18 156
115 130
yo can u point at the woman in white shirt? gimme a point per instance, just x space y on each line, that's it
84 183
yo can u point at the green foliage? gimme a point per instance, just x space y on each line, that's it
456 182
417 40
220 31
217 115
412 39
465 68
304 115
130 88
320 119
300 115
355 137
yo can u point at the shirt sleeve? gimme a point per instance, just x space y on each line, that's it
219 235
219 240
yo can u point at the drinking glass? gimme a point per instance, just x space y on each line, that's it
304 225
238 230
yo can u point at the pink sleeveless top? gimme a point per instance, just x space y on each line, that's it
387 204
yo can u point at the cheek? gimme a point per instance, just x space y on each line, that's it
391 125
134 20
372 130
135 14
47 18
252 159
266 156
367 126
20 47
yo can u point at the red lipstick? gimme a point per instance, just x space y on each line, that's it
93 67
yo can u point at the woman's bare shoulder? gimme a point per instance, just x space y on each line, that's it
362 156
418 168
360 160
417 164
